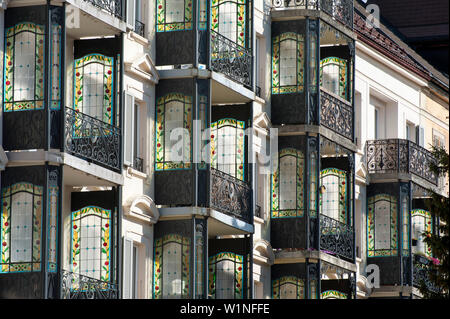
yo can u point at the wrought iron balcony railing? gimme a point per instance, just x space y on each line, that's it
138 164
91 139
230 195
139 28
231 59
336 237
258 212
422 267
399 156
114 7
341 10
76 286
336 114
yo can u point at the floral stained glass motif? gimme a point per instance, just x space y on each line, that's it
333 201
333 76
173 15
288 184
405 226
173 118
382 234
288 287
21 228
228 18
228 147
56 67
226 276
52 228
171 267
313 183
91 242
421 222
333 294
202 14
203 107
288 50
94 87
24 67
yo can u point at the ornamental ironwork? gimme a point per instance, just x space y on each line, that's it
91 139
399 156
336 238
336 114
231 59
341 10
114 7
139 28
76 286
230 195
421 273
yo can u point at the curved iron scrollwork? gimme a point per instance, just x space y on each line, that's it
399 156
91 139
336 237
113 7
139 28
421 273
230 195
336 114
231 59
75 286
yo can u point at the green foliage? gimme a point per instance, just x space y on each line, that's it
439 242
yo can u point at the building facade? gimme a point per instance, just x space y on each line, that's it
222 149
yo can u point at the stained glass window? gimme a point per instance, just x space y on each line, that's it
421 222
202 14
333 76
228 18
173 15
333 200
313 183
20 228
288 50
288 184
24 67
228 147
226 276
405 226
171 267
56 68
289 287
91 242
93 86
173 132
333 294
52 228
203 111
382 234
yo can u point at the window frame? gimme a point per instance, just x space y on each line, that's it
238 282
241 19
161 17
298 282
276 63
343 80
428 227
343 190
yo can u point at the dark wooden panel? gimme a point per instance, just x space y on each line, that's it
174 187
288 233
175 47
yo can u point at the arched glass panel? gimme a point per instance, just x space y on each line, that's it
288 50
228 147
288 287
173 15
173 132
91 242
226 276
93 86
228 18
171 267
24 67
333 198
421 222
288 184
333 76
382 233
333 294
20 228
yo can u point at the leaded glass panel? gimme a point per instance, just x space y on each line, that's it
421 222
333 200
333 76
226 276
288 287
173 15
228 17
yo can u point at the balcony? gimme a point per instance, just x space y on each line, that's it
394 156
75 286
113 7
230 195
231 59
341 10
336 114
422 267
336 238
91 139
139 28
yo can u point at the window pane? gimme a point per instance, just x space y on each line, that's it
24 65
225 280
174 11
382 225
288 62
288 176
228 20
330 198
173 120
22 227
330 79
172 284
